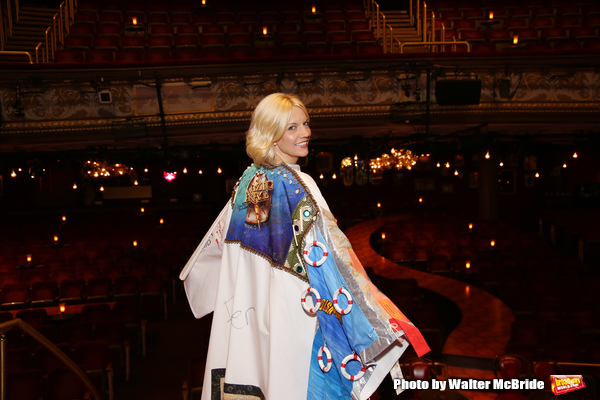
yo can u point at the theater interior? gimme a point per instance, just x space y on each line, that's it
454 141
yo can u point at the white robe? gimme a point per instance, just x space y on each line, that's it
261 337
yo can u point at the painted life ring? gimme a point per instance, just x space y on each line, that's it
307 250
360 373
324 368
317 301
335 302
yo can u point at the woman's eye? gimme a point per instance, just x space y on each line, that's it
291 128
306 123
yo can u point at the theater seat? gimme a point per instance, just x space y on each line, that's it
69 56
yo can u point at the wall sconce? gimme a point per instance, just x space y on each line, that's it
29 258
515 40
62 307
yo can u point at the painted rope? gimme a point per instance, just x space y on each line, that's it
307 250
335 302
325 368
314 309
345 362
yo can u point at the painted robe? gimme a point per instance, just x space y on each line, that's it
274 247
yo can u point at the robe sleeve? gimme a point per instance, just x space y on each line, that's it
200 275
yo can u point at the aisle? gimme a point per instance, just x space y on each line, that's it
170 343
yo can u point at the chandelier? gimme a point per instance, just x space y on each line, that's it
102 169
397 159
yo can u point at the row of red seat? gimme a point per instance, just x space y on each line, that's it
219 7
47 293
500 11
206 40
99 338
132 56
506 4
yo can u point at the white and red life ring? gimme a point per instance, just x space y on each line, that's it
324 368
307 250
314 309
335 302
360 373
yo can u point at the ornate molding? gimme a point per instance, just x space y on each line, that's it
346 95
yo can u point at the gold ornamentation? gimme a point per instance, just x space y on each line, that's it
328 308
258 197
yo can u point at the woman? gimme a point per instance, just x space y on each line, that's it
294 315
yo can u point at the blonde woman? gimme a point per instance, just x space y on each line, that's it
295 317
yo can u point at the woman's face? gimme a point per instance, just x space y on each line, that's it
294 142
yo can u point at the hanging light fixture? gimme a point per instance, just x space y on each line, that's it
397 159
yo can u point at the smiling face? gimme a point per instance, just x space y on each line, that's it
293 144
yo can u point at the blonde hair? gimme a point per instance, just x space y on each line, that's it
269 122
